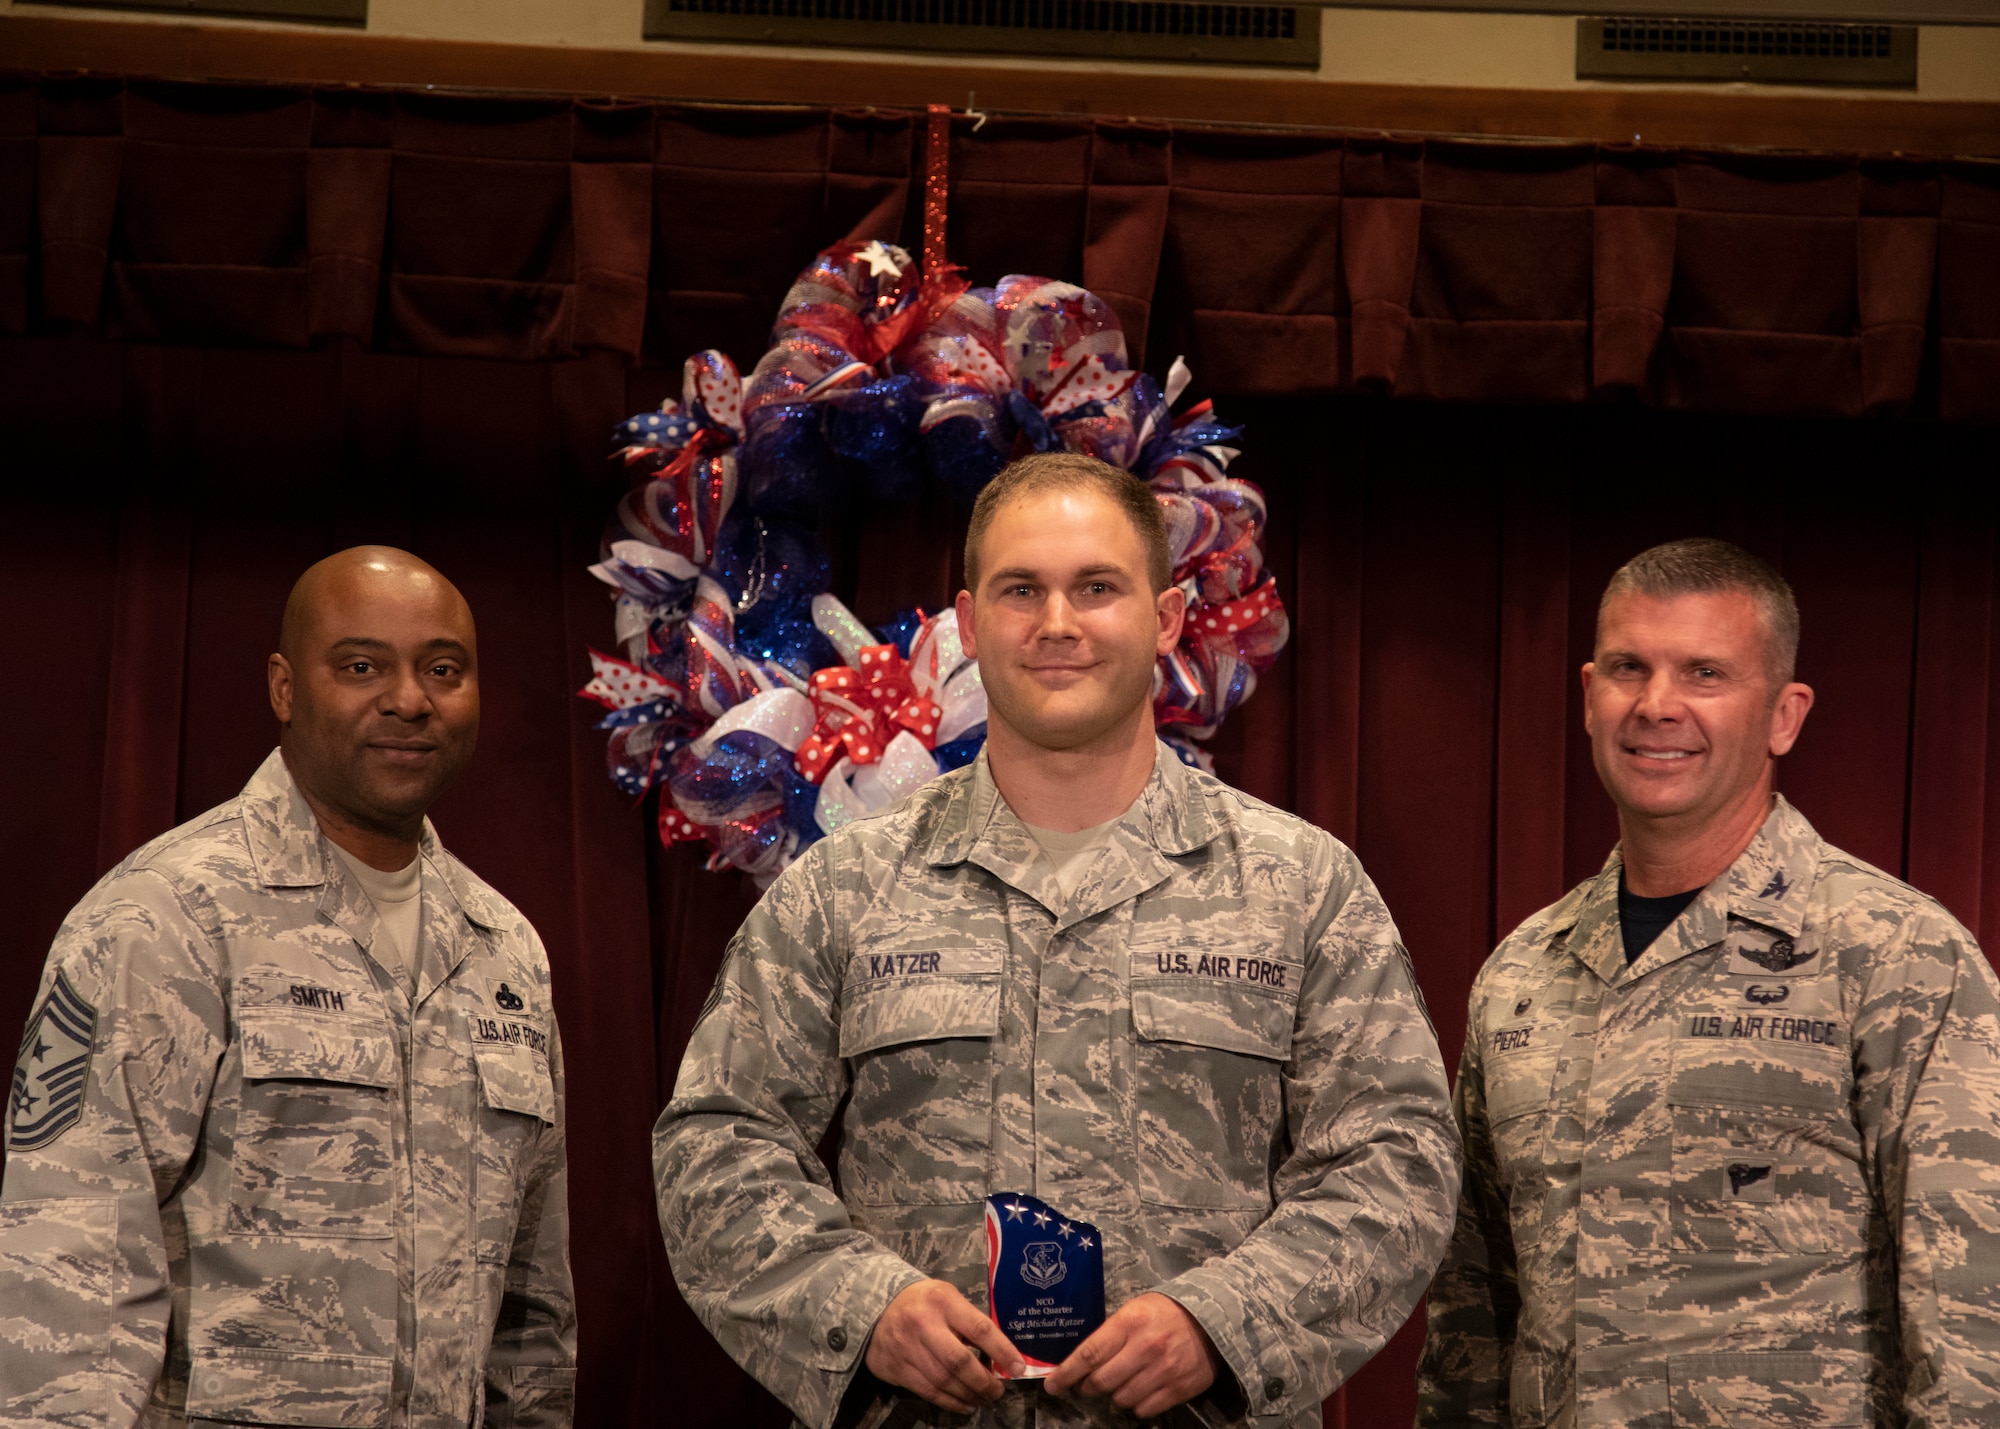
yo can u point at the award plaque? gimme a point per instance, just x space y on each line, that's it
1044 1279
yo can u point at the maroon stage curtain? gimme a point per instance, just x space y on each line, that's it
249 327
539 229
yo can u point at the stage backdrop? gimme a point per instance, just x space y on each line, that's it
196 407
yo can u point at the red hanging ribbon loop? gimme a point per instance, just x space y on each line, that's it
937 183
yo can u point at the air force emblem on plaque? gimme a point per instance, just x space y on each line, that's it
54 1065
1044 1279
1042 1264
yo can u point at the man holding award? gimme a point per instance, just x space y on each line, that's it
1103 1034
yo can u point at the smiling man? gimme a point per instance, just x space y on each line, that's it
285 1140
1154 1003
1731 1108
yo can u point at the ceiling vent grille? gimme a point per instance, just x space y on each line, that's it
1759 51
1186 31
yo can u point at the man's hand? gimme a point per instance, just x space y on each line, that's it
928 1341
1149 1356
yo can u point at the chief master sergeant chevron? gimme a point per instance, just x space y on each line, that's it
1732 1107
1137 994
285 1143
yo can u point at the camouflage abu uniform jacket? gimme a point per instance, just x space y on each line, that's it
1217 1054
249 1182
1754 1178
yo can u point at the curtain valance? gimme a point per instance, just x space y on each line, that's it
529 229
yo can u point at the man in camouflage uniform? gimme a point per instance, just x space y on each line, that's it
1731 1108
1076 969
268 1163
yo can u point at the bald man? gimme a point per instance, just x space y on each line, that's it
285 1141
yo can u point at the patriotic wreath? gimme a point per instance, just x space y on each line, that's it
767 712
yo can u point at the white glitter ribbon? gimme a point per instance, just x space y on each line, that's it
783 716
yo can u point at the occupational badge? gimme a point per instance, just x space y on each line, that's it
1044 1279
1781 955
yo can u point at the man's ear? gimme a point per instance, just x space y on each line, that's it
278 681
1788 716
1171 606
1589 669
966 637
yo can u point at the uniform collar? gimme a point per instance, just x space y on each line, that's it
1768 884
1169 818
289 851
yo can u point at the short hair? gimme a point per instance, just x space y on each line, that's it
1703 565
1073 471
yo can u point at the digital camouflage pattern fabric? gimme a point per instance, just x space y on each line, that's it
285 1194
1215 1052
1753 1178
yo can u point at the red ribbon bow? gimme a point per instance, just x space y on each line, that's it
1222 620
860 709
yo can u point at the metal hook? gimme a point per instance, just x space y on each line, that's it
755 579
972 111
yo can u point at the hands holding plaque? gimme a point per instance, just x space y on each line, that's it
1045 1290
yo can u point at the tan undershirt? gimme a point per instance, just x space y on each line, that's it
399 901
1071 855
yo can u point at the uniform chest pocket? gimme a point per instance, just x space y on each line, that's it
1519 1070
1519 1073
517 1099
919 1125
1208 1099
1766 1159
1781 1389
313 1153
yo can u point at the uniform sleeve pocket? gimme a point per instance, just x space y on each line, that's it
920 1009
1219 1015
1960 1229
360 1051
59 1258
1771 1389
516 1082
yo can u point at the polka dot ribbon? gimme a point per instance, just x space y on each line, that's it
619 684
1224 619
677 827
860 709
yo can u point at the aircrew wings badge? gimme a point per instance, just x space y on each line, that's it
53 1069
1044 1279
